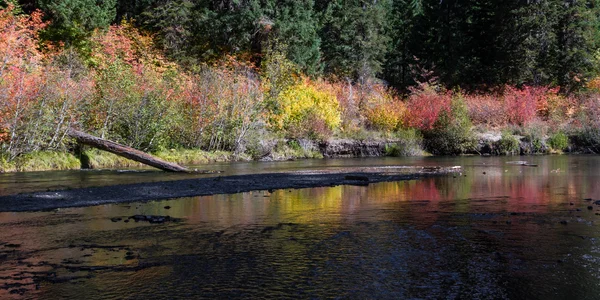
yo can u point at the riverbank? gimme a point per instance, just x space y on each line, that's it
39 201
480 143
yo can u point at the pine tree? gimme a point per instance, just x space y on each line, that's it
172 20
73 20
295 24
355 37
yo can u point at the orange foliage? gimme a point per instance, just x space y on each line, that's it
382 109
20 70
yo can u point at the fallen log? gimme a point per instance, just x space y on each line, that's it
124 151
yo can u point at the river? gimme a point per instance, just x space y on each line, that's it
497 230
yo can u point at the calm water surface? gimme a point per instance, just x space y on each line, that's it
498 232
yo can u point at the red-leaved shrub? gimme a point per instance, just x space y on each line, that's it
424 107
523 105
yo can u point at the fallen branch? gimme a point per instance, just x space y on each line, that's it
124 151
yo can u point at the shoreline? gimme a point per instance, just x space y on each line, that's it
487 145
153 191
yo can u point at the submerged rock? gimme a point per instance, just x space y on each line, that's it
151 219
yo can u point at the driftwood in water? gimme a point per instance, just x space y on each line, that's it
124 151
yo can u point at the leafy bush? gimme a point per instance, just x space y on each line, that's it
487 110
424 107
451 133
558 141
588 137
534 133
409 144
307 111
382 110
507 145
523 105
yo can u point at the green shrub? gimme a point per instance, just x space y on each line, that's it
451 133
534 133
558 141
408 144
507 145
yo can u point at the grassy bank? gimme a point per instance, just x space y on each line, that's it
480 141
96 159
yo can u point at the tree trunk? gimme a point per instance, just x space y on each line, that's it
125 151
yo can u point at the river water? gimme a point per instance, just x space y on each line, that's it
501 231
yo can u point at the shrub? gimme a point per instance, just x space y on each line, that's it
424 107
534 133
588 137
307 110
451 133
382 110
561 108
224 105
507 145
486 110
21 78
523 105
558 141
409 144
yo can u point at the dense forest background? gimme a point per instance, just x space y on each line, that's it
236 75
473 44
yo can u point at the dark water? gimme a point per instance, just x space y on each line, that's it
494 234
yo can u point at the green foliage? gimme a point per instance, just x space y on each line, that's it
507 145
46 160
294 149
73 20
15 3
451 133
533 139
409 143
355 37
589 137
295 22
278 73
172 20
558 141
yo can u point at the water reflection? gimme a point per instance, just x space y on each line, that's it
494 233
